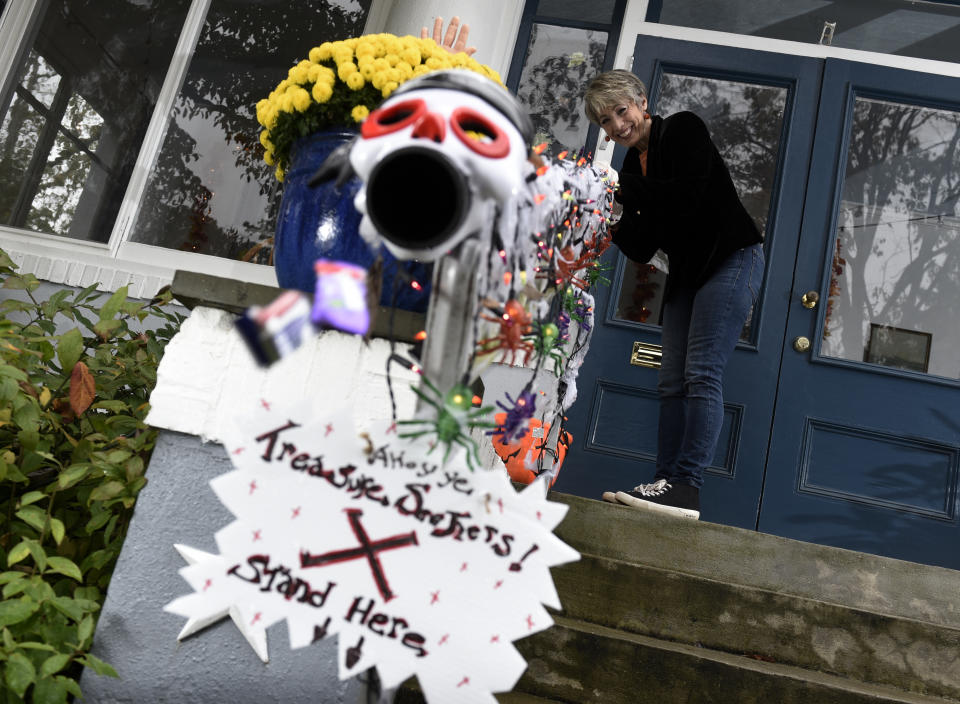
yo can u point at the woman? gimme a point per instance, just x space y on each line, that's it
677 195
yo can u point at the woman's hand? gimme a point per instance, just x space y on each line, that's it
451 41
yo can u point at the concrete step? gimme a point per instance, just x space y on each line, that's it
904 653
881 621
584 663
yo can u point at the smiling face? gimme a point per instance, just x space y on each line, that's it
625 124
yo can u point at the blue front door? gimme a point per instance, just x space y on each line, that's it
816 444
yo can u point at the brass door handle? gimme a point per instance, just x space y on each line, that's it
801 344
810 299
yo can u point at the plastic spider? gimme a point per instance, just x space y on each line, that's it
514 425
454 413
546 338
515 323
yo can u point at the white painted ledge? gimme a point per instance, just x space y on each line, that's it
207 373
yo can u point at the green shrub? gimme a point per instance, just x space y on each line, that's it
73 449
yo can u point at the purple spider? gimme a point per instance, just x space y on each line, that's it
515 424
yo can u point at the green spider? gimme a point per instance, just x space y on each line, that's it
546 341
454 412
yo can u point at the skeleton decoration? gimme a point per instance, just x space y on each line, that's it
447 178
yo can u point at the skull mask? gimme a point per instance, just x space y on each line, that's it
434 157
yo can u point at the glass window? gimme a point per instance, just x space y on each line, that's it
745 122
558 64
81 104
895 280
210 191
599 11
928 30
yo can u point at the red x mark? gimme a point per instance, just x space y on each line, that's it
253 486
434 597
296 512
239 450
530 621
367 548
465 680
539 515
463 567
446 637
256 535
329 429
207 584
500 504
392 428
263 402
256 617
498 584
495 639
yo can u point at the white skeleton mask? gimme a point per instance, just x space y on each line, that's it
433 161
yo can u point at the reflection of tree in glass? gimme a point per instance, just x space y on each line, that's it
237 62
745 122
898 227
552 89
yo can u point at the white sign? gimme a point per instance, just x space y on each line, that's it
420 567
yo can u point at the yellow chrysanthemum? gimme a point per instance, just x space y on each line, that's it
268 158
420 69
346 69
365 48
301 100
392 59
321 53
355 81
262 107
327 76
321 92
279 174
359 113
286 102
265 140
367 70
388 88
405 70
411 56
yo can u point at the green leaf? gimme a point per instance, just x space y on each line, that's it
54 664
51 690
107 491
68 607
71 685
70 349
36 645
85 293
13 588
13 372
64 567
85 630
104 328
98 665
34 516
112 406
113 304
32 497
38 553
57 530
16 610
18 553
12 576
72 474
19 674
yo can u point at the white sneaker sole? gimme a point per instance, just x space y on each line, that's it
625 498
610 497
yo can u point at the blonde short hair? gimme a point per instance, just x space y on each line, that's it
611 88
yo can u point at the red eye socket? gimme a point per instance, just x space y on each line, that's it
480 134
392 118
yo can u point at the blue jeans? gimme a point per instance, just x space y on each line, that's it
700 330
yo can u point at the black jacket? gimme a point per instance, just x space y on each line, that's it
686 205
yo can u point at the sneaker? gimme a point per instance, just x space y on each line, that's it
611 496
677 499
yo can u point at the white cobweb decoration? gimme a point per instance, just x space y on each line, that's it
419 567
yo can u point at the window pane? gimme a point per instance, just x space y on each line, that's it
558 64
745 122
211 191
82 102
895 281
929 30
600 11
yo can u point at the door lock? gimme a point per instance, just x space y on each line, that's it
801 344
810 299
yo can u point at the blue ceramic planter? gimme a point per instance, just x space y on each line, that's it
321 222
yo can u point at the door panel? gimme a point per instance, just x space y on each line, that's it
761 108
866 434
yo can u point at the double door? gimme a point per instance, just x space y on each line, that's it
842 399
